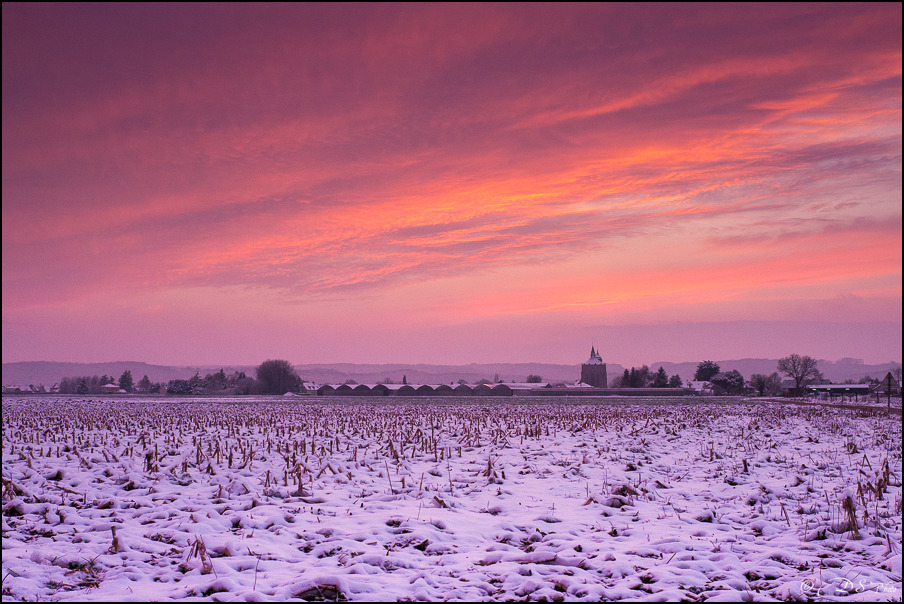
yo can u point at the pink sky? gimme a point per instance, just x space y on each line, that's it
202 184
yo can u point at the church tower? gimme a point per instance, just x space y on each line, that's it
593 372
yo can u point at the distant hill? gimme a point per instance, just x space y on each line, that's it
438 374
50 373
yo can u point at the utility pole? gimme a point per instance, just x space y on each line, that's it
887 382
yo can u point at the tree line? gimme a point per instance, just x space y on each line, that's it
92 384
272 377
276 376
801 370
642 377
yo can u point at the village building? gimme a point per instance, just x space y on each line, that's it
593 372
700 386
593 382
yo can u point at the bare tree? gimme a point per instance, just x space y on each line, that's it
766 384
801 369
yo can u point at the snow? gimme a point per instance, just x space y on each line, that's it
136 499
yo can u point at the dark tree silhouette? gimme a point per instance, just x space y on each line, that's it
125 381
661 379
705 371
178 387
278 377
730 382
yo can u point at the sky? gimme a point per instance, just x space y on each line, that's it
452 183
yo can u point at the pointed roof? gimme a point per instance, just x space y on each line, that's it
595 358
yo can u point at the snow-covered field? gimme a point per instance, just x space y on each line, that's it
448 499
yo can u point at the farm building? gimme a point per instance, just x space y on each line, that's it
415 390
889 385
840 389
700 386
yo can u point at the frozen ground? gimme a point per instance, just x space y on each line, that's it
521 499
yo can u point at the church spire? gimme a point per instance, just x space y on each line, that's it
593 372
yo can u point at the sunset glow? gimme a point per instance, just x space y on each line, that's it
220 184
